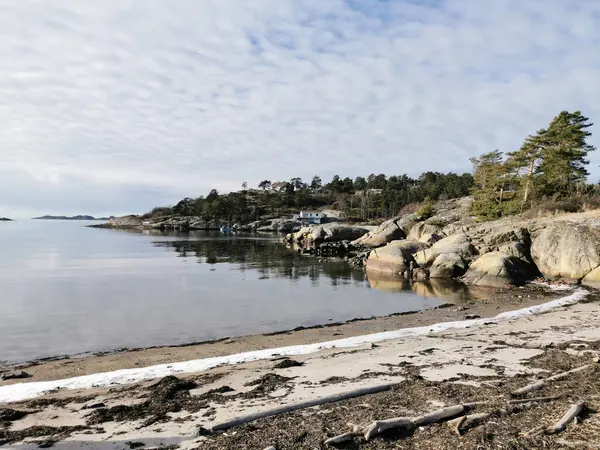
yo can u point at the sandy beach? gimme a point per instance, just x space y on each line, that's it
420 373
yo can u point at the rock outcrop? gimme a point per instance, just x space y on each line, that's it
426 232
280 225
332 232
567 251
394 258
388 231
448 265
458 244
497 269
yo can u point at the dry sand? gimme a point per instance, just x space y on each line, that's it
431 371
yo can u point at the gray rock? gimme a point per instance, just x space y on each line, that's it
567 250
388 231
448 265
395 257
458 244
497 269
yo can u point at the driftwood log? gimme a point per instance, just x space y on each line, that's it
541 383
410 423
573 412
380 426
301 405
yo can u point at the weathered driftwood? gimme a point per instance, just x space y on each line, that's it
301 405
534 400
410 423
560 426
440 415
464 422
461 424
541 383
579 444
270 448
380 426
567 418
346 437
340 439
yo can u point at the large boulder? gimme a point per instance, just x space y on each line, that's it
336 232
386 232
395 257
497 269
448 265
458 244
426 232
567 251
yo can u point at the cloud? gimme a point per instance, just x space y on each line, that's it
147 96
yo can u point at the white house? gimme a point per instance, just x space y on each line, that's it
311 216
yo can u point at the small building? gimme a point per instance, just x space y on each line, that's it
311 216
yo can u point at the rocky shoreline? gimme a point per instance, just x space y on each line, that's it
452 245
447 244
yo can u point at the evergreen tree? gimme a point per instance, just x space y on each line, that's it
489 173
564 153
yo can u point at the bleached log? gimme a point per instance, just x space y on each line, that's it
560 426
464 422
440 415
302 405
534 400
380 426
340 439
567 418
541 383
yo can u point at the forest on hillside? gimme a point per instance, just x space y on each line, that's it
549 168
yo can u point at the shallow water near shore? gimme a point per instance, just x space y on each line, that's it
67 289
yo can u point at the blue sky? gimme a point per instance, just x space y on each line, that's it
120 105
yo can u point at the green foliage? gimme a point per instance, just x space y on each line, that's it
350 196
550 163
426 210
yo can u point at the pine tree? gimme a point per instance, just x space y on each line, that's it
527 158
564 153
490 177
554 159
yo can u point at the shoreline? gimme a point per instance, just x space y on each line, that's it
493 303
422 372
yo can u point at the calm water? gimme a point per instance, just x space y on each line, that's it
67 289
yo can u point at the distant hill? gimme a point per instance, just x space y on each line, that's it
5 219
71 218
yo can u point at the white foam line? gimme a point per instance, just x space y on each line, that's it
24 391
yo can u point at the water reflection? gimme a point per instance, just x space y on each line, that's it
272 260
262 254
448 290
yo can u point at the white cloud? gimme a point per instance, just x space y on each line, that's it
147 96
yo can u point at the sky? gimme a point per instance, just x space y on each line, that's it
116 106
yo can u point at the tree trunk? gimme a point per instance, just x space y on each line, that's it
528 183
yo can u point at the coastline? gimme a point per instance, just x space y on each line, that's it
420 373
487 304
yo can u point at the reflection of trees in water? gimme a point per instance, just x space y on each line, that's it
266 256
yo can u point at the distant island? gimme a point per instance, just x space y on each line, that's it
5 219
71 218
